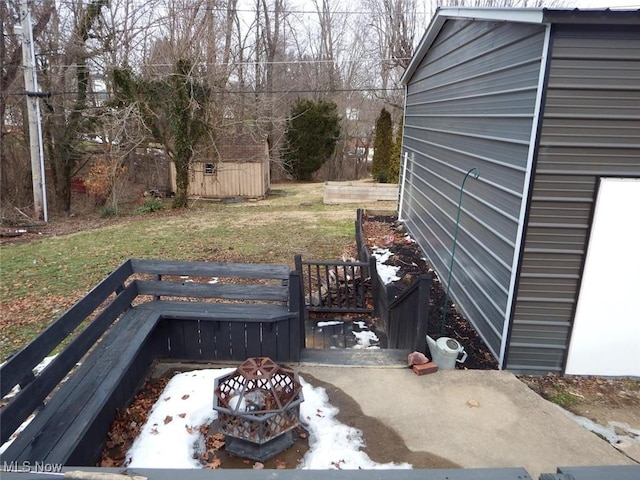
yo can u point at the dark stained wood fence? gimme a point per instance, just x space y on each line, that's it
404 312
408 316
142 311
337 286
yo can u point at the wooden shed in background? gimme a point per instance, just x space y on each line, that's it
546 104
241 170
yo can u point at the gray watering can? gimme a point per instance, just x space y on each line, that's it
445 352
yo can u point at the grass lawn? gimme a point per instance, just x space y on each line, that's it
41 278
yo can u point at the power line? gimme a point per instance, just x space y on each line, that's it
245 92
249 63
270 11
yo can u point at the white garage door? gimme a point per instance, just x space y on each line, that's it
606 333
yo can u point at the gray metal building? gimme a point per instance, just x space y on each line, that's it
545 104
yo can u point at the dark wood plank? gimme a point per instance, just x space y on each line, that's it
160 337
270 340
272 293
283 340
14 370
219 311
177 349
254 339
223 340
211 269
208 332
191 332
33 394
238 342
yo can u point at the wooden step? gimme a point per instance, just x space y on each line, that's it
355 357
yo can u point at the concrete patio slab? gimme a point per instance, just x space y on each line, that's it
472 418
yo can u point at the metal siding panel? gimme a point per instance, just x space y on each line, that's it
471 103
591 128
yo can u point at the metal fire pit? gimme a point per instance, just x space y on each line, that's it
258 405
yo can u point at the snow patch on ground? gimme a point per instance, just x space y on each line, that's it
332 445
329 323
171 437
366 339
607 432
387 273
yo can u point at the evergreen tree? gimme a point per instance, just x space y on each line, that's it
382 147
396 156
313 129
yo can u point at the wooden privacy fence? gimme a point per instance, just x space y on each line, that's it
144 310
408 314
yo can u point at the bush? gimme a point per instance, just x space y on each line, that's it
310 139
382 147
381 177
106 212
149 206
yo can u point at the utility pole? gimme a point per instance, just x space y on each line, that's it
33 110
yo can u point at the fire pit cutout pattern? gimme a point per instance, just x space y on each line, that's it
258 405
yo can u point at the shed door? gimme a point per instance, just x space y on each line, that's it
606 332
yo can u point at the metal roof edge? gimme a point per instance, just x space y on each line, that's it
528 15
522 15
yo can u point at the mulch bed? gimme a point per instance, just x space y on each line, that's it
386 232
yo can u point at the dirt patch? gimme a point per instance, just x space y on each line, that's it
602 400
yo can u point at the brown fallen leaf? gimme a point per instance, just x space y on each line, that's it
182 415
190 430
215 442
154 431
214 464
168 419
185 396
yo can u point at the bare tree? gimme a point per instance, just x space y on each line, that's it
504 3
65 71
